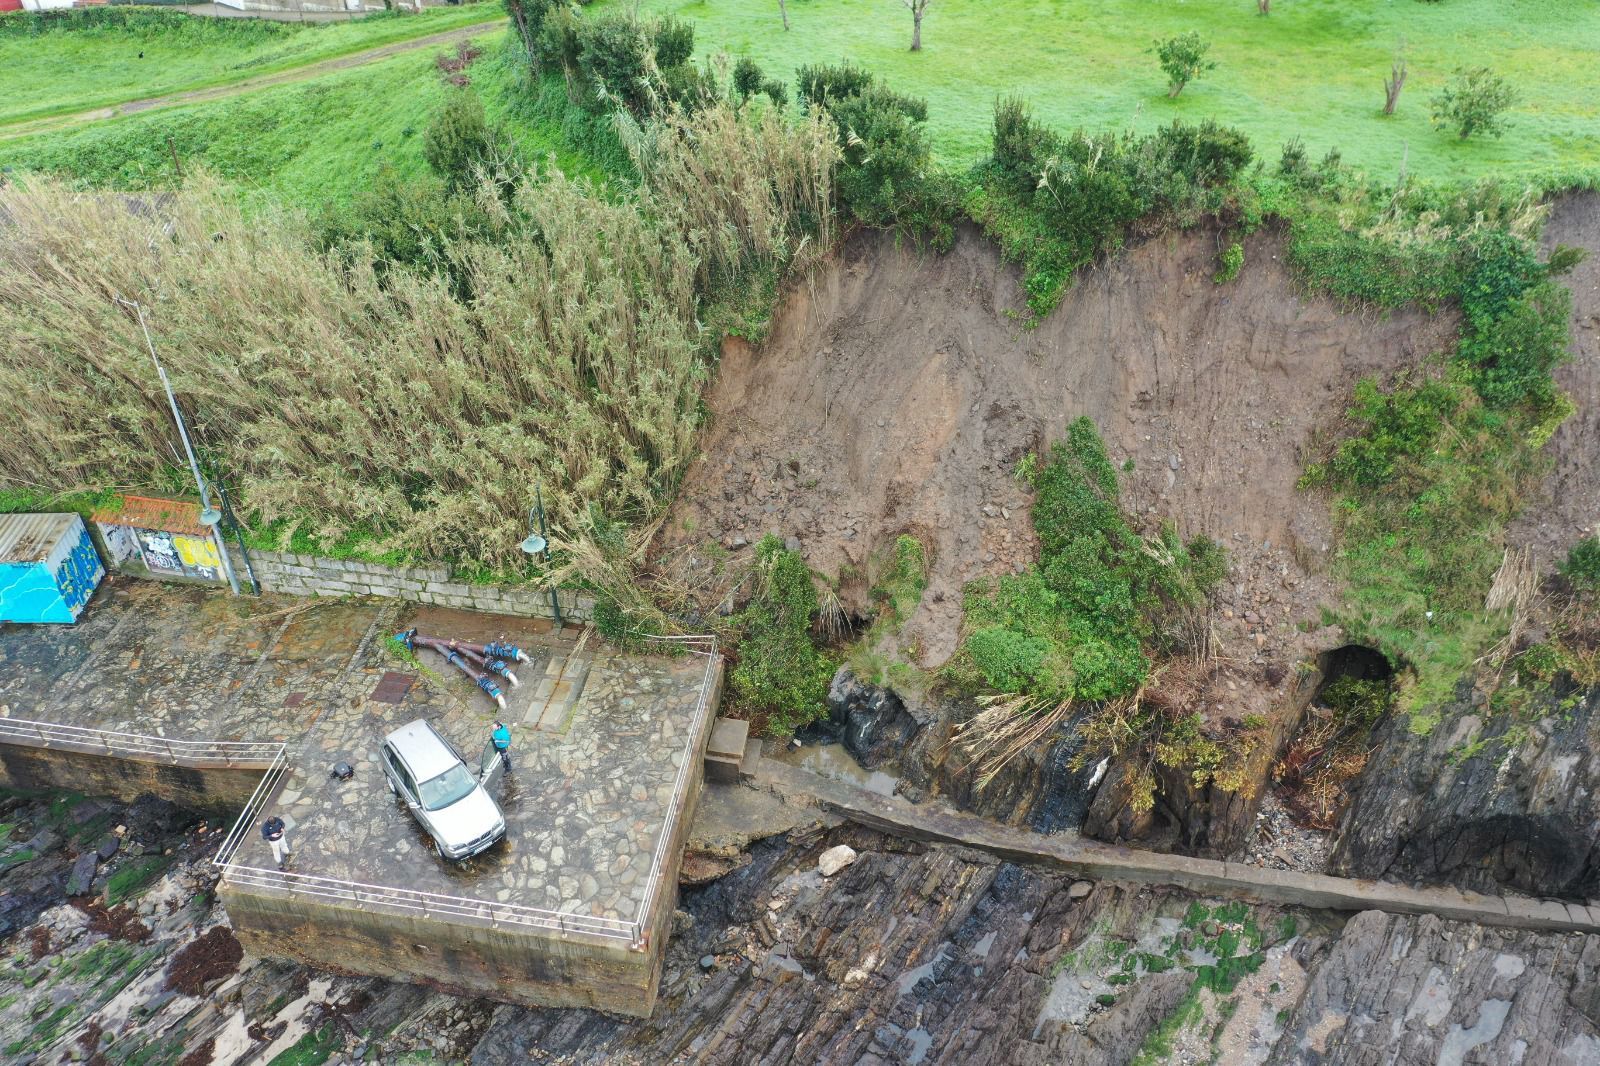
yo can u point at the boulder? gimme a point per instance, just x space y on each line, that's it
82 876
835 859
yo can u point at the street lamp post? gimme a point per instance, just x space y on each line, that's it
209 515
537 543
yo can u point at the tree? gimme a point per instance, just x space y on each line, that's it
1263 7
1396 82
1475 102
917 8
783 9
1183 58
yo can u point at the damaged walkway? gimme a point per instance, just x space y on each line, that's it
1106 862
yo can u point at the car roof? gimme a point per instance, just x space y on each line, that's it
423 749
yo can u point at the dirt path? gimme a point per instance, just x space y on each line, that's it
1105 862
248 85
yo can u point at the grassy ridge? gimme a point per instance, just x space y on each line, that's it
314 143
1312 69
78 60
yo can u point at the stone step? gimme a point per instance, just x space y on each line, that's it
725 749
750 764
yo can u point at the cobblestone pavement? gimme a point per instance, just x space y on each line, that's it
585 806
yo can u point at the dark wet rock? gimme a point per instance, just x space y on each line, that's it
908 948
872 723
1415 991
82 876
108 846
44 842
1488 802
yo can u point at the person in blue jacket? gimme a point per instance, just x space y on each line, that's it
501 738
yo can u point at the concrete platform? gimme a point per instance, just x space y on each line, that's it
570 910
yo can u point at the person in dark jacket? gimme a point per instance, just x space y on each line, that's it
275 833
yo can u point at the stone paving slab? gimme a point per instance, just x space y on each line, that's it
586 808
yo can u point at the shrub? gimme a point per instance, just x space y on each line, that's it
821 85
1475 102
1232 263
1183 58
747 77
413 223
1079 626
674 42
780 671
1057 203
459 140
1582 564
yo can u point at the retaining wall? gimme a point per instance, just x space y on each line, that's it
315 575
512 963
199 786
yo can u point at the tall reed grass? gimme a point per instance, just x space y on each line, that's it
346 396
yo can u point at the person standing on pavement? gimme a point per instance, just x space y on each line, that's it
501 739
275 833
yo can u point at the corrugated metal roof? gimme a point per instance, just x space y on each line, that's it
28 538
153 512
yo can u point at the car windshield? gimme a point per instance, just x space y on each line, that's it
447 788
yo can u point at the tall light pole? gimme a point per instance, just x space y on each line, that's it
538 543
210 517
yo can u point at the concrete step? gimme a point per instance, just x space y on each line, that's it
750 764
725 749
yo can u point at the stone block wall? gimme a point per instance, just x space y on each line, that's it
313 575
215 788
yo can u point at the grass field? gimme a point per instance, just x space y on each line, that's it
313 143
77 61
1312 68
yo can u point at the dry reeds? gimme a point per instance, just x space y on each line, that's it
342 397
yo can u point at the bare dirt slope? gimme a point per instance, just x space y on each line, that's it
897 391
1569 504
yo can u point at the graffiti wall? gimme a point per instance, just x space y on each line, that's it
179 554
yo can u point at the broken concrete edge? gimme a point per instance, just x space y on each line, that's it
1106 862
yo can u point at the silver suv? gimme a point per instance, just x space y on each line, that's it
453 805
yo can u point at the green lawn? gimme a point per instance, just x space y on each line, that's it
69 61
1312 69
310 143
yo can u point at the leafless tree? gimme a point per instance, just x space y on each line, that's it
783 9
1394 83
1264 7
917 8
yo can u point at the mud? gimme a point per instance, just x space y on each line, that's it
897 391
1568 506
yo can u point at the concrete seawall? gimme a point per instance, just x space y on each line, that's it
214 786
1104 862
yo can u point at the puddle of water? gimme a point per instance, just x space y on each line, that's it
909 979
835 762
981 948
921 1041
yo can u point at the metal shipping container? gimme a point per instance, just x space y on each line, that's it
48 567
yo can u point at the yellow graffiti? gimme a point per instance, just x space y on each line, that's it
197 552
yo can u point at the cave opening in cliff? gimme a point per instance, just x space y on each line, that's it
1355 661
1319 768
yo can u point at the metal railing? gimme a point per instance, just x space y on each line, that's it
433 904
698 645
243 754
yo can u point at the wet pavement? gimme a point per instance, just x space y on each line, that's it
586 803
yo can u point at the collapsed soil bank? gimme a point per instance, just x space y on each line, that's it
897 390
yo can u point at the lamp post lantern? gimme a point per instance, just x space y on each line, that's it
537 542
